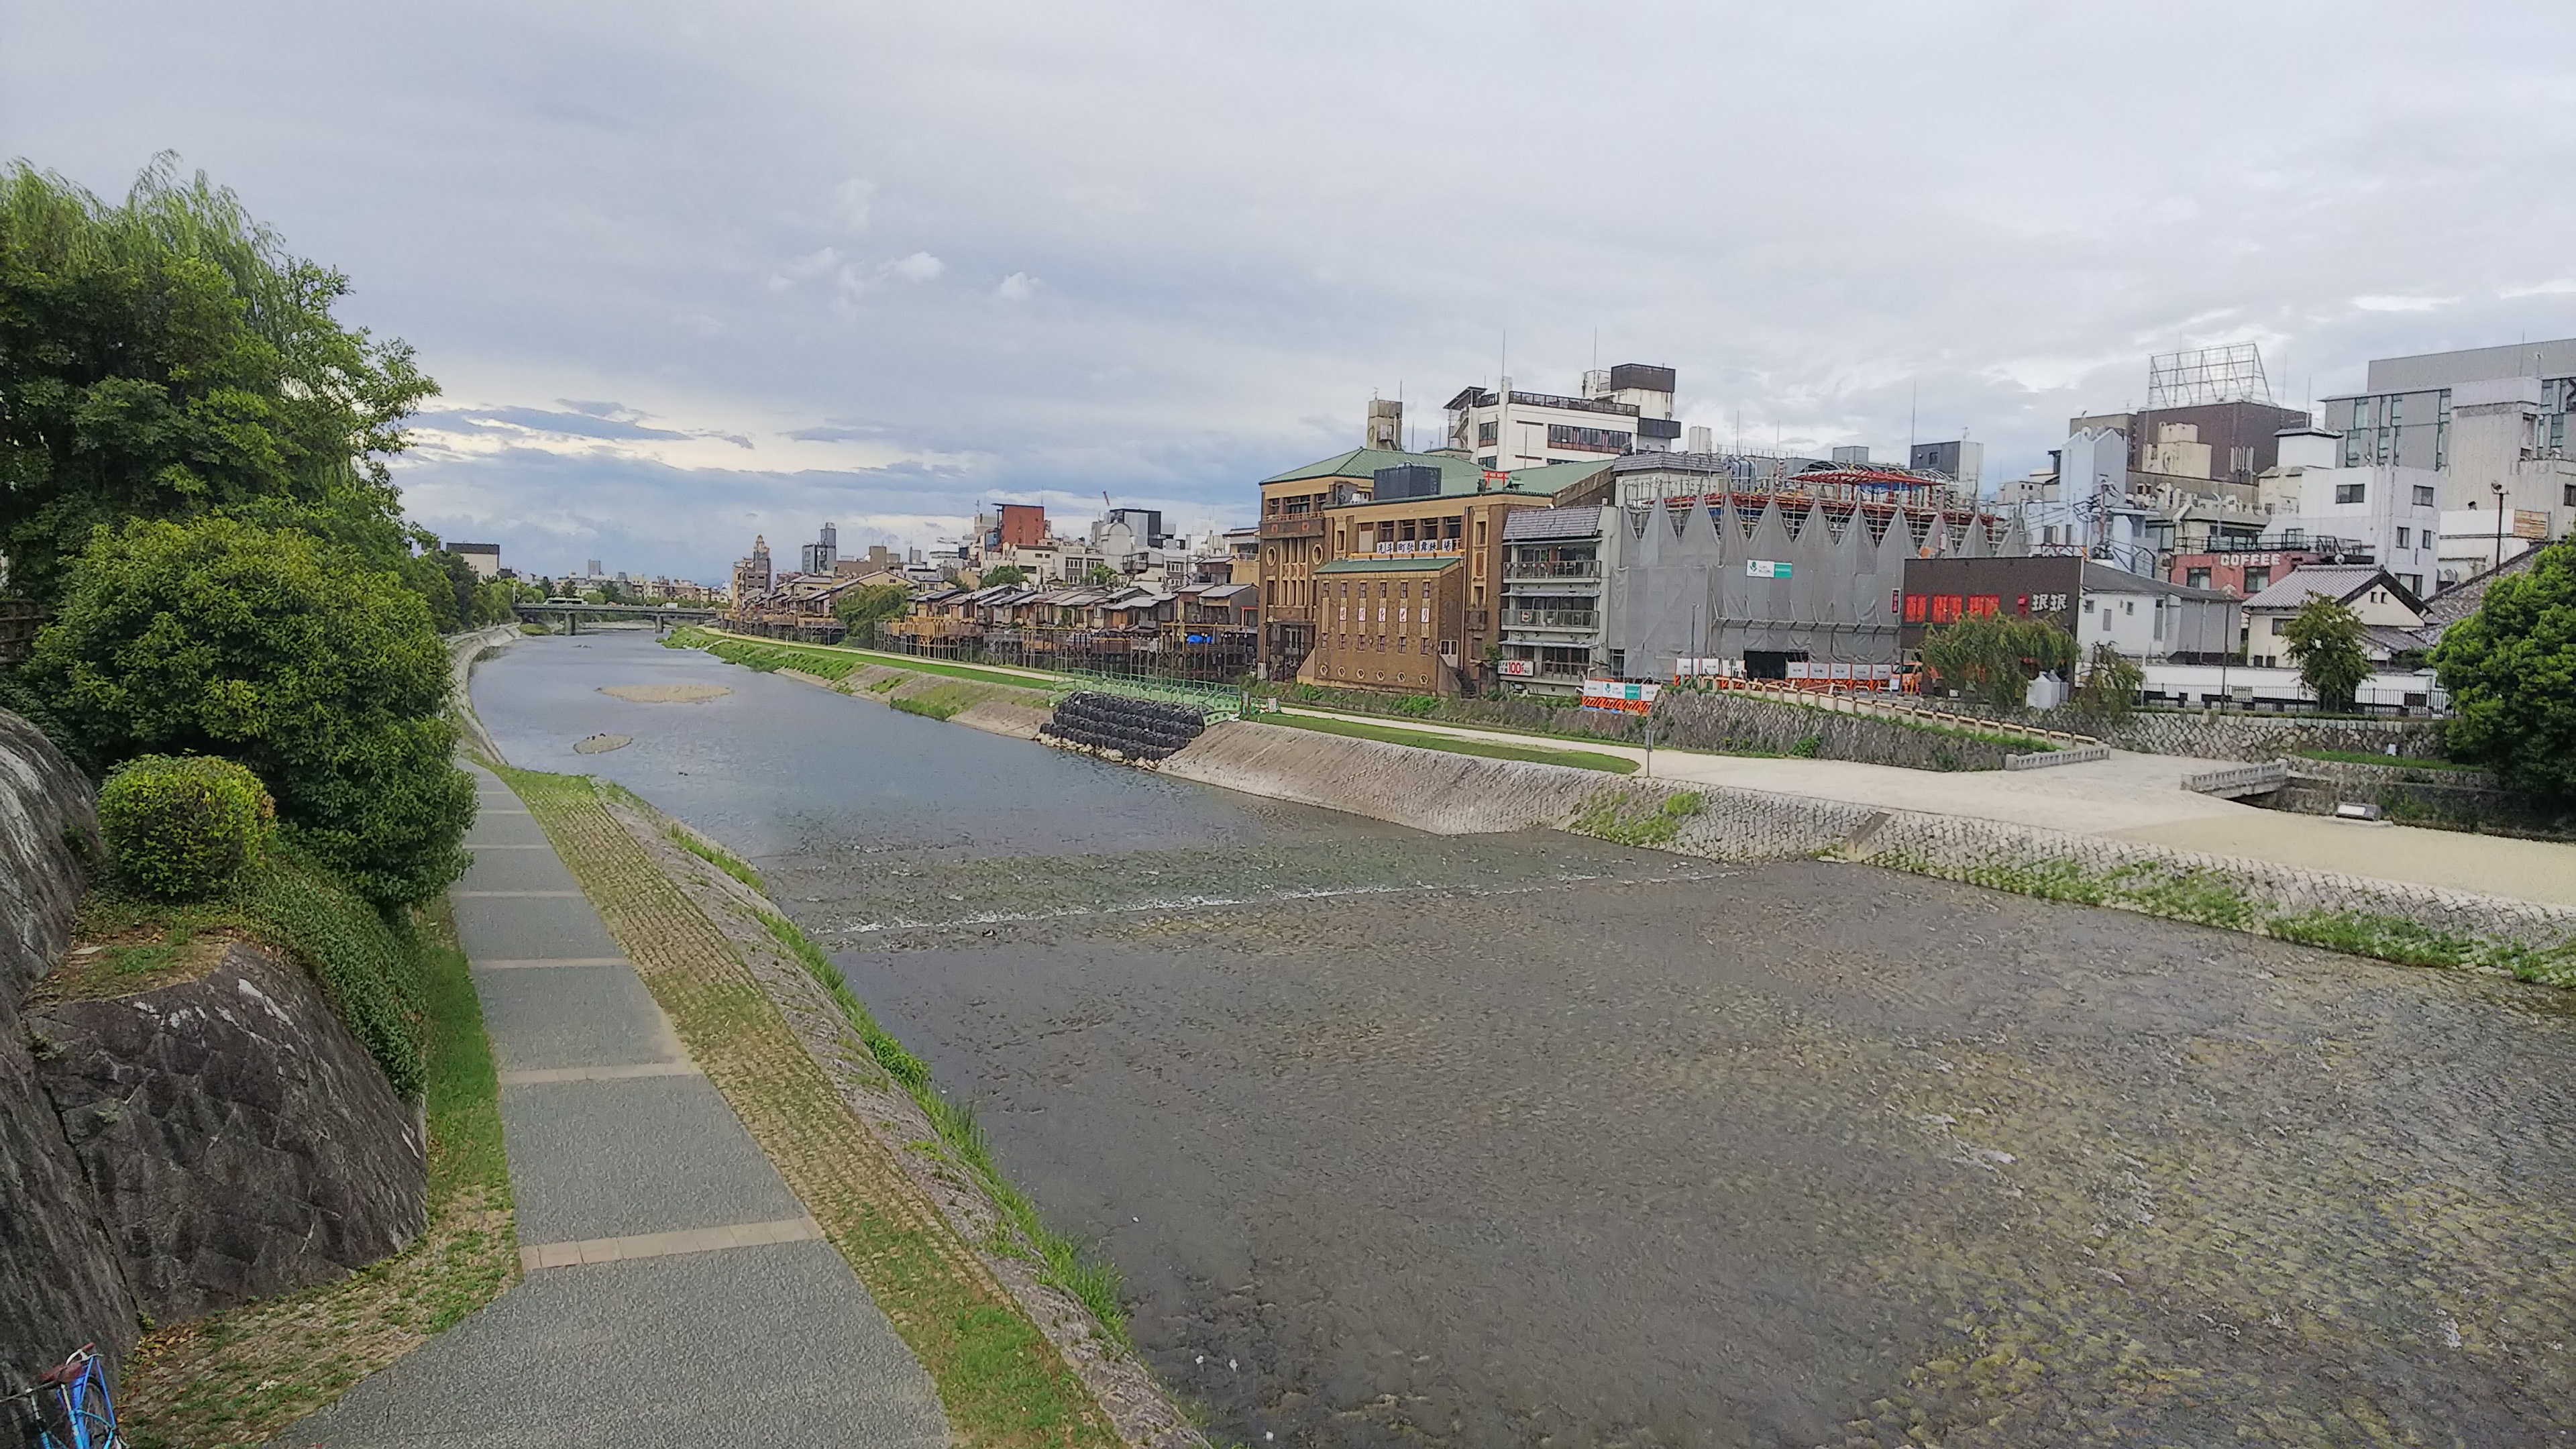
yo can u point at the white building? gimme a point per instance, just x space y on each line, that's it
2083 507
2390 613
2390 509
2493 421
2150 620
1624 409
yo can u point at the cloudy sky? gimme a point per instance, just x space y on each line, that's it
687 271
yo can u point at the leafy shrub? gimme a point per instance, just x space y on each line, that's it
1993 658
287 654
181 828
1807 746
1417 706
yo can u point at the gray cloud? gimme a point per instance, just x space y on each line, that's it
1838 224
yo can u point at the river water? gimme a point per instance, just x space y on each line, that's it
1532 1139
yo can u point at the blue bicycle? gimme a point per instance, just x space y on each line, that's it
71 1405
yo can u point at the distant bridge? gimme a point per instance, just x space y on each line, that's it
571 615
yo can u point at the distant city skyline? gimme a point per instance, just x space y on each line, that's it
686 280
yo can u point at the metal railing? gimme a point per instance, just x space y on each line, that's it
1560 569
1551 618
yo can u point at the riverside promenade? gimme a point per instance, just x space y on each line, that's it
2132 797
675 1292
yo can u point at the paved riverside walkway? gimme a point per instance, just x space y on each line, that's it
2126 797
676 1293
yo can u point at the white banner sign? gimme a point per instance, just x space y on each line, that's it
1763 568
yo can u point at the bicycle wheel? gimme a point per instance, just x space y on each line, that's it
92 1417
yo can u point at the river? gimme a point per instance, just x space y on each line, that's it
1533 1139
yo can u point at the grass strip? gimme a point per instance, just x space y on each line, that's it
845 659
242 1376
1451 744
1060 1261
1000 1380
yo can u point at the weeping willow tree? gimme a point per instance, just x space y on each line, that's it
166 358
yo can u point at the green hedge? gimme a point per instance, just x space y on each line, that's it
180 828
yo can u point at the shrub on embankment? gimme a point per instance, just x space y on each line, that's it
272 648
180 829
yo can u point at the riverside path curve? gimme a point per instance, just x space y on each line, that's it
675 1292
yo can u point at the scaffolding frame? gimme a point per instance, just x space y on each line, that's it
2207 375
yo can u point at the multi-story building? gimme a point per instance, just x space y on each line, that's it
1372 503
751 576
2493 421
1706 564
2390 613
2385 512
1957 459
1623 409
483 558
819 556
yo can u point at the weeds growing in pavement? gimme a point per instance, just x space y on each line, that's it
1619 816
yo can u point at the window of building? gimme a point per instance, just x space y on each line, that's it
2414 583
1485 462
2361 412
2257 580
1485 433
2350 492
2128 606
1480 530
2352 450
2197 578
1588 440
2570 499
2401 539
2423 495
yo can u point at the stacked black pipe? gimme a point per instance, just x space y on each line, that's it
1138 729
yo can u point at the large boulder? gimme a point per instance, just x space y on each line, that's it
240 1142
60 1286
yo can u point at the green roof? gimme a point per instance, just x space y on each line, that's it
1390 563
1457 475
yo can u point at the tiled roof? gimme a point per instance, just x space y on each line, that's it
2467 596
1532 525
2336 581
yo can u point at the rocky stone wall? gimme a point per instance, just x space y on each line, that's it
2255 737
2443 799
240 1141
1429 790
60 1282
1722 721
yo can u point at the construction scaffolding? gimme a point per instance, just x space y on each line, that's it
2207 375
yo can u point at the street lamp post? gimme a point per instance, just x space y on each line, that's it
2499 548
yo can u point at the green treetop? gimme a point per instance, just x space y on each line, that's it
2327 645
166 358
2511 672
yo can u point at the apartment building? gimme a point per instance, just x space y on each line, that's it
1623 409
2387 513
2492 421
1373 503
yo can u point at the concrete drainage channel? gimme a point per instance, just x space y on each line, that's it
1118 727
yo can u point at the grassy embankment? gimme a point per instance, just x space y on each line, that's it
239 1377
1000 1380
928 687
1450 744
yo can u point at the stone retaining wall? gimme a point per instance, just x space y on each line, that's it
60 1282
2442 799
1718 720
2255 736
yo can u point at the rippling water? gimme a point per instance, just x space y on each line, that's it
1531 1139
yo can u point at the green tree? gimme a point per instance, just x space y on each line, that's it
2327 644
872 604
1005 574
1992 658
2510 669
167 358
2109 690
282 652
1102 575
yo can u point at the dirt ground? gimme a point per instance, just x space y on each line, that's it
1534 1140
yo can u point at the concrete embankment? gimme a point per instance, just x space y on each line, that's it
1455 795
1429 790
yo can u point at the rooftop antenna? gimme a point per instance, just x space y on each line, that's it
1913 394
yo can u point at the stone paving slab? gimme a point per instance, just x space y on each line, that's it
572 1016
638 1155
540 926
520 866
774 1344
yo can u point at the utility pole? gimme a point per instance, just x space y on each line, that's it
2499 548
